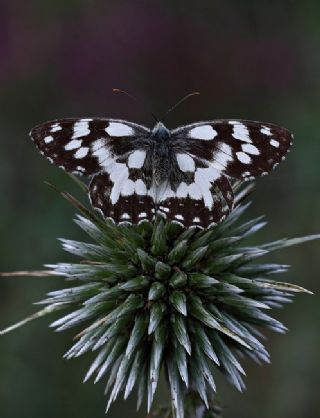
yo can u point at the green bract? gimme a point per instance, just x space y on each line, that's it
156 296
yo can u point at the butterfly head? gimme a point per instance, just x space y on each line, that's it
160 132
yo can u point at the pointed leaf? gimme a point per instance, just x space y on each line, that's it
286 287
194 258
148 263
137 333
201 281
179 301
157 349
162 270
157 312
178 279
112 357
157 290
204 368
198 311
204 342
159 239
134 372
101 357
180 357
175 388
179 327
178 252
135 284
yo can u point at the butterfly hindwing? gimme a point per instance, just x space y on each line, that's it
121 194
88 145
239 149
203 201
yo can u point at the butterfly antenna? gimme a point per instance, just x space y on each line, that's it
195 93
134 98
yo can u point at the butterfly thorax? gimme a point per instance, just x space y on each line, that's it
161 164
160 156
160 132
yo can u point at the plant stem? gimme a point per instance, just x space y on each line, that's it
194 408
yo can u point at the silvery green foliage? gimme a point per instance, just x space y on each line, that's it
157 296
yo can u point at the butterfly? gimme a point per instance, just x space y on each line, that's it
185 174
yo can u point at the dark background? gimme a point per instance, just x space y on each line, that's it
249 59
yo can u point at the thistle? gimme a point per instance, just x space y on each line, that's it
158 296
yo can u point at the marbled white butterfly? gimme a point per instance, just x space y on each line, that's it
183 173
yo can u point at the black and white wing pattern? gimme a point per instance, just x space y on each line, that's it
109 149
236 148
87 146
184 174
206 199
213 153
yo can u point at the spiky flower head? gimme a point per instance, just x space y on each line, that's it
158 296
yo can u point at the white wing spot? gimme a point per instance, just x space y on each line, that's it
274 143
136 159
196 219
119 129
140 187
128 188
243 157
240 131
81 152
265 130
142 215
186 163
195 191
162 192
221 157
81 128
48 139
204 132
74 144
100 151
125 216
250 149
119 176
56 127
204 177
182 190
98 144
179 217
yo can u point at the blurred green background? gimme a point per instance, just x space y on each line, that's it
249 59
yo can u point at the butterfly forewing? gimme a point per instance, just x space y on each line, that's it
87 145
237 148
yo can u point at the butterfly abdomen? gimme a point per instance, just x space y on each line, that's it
161 162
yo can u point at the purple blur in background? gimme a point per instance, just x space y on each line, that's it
252 60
